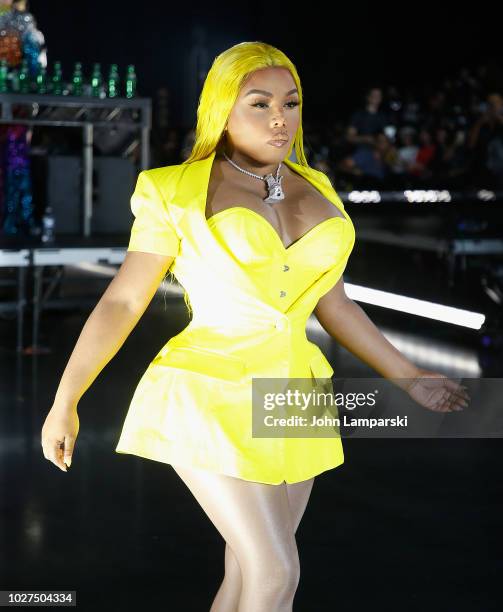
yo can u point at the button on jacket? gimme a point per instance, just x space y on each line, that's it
250 298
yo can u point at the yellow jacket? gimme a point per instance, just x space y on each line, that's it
250 299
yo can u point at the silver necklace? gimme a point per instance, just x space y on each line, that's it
275 191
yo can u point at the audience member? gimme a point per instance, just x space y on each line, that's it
368 121
485 144
445 136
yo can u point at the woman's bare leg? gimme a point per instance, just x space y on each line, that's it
255 519
227 597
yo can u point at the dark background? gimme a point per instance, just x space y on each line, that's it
339 49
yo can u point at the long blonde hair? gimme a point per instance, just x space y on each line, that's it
221 89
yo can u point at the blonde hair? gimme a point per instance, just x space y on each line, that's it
221 89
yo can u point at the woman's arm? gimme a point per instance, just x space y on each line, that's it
111 321
347 323
105 331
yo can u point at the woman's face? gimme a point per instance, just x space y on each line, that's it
259 116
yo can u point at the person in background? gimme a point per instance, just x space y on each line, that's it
387 152
369 161
425 155
370 166
386 149
407 151
485 144
448 164
365 123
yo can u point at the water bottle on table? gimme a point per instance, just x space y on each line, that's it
48 225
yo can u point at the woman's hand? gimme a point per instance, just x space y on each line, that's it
437 392
59 433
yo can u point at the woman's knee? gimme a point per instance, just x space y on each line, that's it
288 573
276 574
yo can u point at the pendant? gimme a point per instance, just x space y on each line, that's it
275 191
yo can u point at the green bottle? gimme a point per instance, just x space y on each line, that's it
130 82
41 80
57 79
113 82
24 77
96 81
77 79
4 75
14 80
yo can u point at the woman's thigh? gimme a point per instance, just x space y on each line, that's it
298 497
255 519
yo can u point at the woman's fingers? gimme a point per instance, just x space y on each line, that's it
53 451
452 400
452 403
68 450
459 390
452 397
59 433
458 397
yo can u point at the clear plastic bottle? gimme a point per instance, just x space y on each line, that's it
48 225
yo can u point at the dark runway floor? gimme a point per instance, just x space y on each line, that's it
410 524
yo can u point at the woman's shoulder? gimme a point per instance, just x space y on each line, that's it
162 173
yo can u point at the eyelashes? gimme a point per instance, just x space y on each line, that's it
294 104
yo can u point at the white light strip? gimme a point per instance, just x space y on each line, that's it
402 303
433 354
424 353
101 269
107 270
421 308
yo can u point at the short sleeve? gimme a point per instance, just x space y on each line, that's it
152 230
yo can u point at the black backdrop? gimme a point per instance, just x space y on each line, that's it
338 48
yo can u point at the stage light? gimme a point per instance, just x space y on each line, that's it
421 308
364 196
427 195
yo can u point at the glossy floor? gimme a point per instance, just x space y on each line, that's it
403 524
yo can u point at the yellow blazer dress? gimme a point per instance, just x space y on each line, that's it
250 298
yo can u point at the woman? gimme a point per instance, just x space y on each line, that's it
256 251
